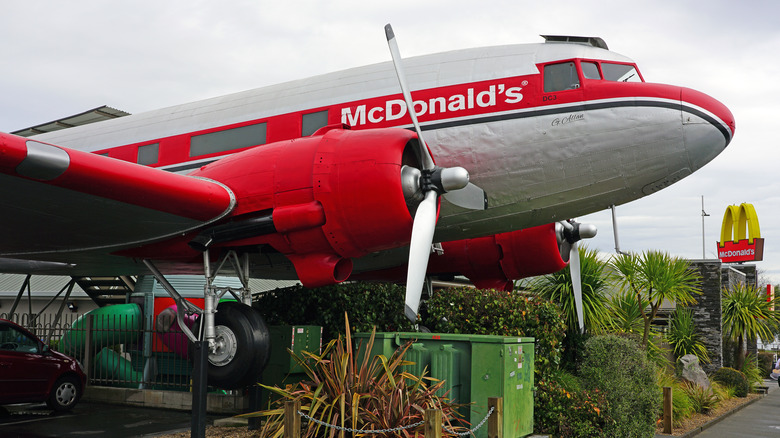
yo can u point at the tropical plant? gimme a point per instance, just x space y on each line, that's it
617 367
747 314
557 287
683 337
654 277
626 318
348 389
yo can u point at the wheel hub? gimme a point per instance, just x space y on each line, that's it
224 348
66 394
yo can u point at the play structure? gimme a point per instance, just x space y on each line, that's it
139 344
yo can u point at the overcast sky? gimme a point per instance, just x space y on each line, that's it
62 58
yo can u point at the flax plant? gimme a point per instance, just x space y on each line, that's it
360 392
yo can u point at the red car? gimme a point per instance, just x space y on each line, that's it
32 372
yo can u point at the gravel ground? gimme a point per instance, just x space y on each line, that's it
699 420
692 423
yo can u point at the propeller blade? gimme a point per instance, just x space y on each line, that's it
419 252
576 281
427 160
471 197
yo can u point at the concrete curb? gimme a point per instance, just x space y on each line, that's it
712 422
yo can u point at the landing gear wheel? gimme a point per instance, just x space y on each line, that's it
243 346
64 394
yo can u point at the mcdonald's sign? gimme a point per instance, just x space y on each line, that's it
740 236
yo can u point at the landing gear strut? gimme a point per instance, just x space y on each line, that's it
236 337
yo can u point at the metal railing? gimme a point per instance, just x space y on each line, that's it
116 350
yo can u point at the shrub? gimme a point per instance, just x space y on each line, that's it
565 412
733 379
619 368
490 312
371 305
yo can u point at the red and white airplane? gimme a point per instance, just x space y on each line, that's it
325 179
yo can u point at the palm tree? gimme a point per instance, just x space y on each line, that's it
654 277
747 314
557 287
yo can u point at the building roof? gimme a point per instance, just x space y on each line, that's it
94 115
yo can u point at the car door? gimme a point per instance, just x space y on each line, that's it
24 372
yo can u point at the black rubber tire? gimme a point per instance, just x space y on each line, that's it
253 346
65 393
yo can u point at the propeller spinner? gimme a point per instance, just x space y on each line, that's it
426 185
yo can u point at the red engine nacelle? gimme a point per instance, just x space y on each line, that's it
331 197
493 262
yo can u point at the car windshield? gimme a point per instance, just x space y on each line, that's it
620 72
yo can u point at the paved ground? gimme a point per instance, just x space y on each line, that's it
91 420
760 419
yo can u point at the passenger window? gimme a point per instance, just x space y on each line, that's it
590 70
620 72
148 154
310 123
559 77
223 141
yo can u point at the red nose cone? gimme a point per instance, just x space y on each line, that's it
709 109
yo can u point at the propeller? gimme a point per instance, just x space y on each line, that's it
425 185
569 234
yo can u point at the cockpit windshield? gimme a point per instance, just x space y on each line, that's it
620 72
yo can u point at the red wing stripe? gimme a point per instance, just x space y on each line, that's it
96 175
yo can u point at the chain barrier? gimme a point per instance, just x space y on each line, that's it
397 429
471 431
346 429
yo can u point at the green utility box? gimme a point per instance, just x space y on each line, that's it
282 369
474 368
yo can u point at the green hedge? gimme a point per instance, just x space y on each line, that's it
491 312
368 305
618 367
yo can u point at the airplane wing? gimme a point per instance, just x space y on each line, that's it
58 204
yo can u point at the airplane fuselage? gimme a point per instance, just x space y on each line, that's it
550 131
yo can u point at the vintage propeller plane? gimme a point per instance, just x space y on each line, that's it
329 178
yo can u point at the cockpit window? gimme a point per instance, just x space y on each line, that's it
590 70
561 76
620 72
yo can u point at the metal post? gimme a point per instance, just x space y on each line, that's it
667 410
292 421
433 423
199 383
87 360
703 215
496 420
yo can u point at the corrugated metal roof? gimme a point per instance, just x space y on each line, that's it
94 115
49 285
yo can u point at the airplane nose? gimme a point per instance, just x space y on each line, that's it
708 126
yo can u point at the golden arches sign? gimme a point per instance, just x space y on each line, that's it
740 235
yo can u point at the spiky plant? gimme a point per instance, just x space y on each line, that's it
358 391
683 337
654 277
746 313
557 287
